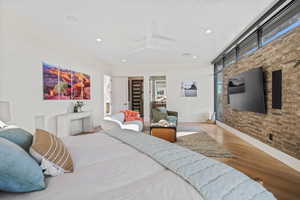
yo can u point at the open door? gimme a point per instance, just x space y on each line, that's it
119 94
136 94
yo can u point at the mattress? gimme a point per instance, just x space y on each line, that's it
105 168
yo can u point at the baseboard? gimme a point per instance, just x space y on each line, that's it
279 155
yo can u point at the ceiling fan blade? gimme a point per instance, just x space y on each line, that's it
142 39
162 37
153 40
137 50
150 30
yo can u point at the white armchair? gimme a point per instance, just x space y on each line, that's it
118 120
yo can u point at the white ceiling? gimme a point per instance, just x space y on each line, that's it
121 22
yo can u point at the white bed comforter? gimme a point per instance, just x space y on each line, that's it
106 169
213 180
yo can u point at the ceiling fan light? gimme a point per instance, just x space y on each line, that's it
208 31
99 40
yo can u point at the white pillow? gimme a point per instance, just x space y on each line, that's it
118 116
109 124
2 124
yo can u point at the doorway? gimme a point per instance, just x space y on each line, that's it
107 90
158 92
136 94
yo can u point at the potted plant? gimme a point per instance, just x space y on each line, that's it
78 106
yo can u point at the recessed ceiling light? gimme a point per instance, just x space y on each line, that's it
195 57
208 31
123 60
99 40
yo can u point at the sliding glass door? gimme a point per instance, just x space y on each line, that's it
218 81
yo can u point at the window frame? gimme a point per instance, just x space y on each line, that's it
291 9
253 37
278 20
228 56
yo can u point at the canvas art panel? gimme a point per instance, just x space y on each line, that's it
81 86
50 82
87 87
64 84
189 89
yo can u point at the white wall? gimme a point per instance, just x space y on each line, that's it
24 46
25 43
189 109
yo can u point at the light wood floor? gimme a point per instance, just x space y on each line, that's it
278 178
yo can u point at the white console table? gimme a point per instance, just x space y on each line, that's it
64 122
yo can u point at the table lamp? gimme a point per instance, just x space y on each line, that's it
4 113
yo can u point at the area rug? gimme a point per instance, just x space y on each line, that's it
202 143
194 138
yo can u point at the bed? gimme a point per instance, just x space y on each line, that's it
105 167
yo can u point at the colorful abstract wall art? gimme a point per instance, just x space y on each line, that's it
64 84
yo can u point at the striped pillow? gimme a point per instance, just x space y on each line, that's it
51 152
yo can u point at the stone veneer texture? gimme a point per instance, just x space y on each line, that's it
284 124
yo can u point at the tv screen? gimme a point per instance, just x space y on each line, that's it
246 91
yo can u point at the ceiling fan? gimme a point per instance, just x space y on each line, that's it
154 40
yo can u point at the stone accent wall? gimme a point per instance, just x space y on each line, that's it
284 124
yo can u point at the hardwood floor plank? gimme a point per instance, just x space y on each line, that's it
278 178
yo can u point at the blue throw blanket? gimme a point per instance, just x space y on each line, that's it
212 179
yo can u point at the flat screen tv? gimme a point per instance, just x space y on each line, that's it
246 91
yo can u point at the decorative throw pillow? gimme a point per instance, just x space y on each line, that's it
172 119
17 136
18 171
162 109
52 153
157 115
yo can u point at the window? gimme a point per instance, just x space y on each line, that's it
230 58
219 66
280 23
287 20
218 92
248 46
